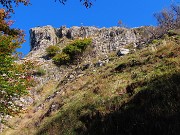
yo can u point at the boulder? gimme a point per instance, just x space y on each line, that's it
122 52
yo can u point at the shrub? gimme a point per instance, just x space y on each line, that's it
52 50
77 47
69 53
61 58
82 44
72 50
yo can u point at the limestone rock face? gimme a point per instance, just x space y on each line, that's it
41 37
105 40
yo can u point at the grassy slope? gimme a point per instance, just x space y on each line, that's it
135 94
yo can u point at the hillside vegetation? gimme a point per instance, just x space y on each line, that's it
138 93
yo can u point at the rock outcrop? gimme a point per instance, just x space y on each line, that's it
42 37
105 40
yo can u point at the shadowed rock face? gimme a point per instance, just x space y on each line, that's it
41 37
105 40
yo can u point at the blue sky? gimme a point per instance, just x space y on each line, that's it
104 13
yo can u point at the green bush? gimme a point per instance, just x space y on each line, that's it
70 52
82 44
77 47
61 58
52 50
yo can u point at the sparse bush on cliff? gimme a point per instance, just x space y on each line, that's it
71 51
82 44
167 21
52 50
77 47
61 58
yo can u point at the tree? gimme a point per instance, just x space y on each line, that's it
8 4
168 19
14 77
86 3
176 10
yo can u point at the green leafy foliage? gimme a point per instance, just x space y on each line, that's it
15 78
82 44
61 58
71 51
76 47
52 50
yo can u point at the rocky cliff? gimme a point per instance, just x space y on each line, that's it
105 40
